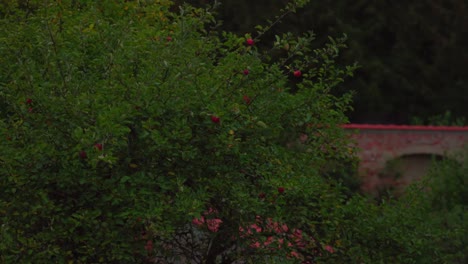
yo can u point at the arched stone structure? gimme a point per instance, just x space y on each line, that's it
380 144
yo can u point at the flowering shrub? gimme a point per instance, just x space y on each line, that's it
135 134
126 121
211 223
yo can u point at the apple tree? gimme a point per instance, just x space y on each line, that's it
135 131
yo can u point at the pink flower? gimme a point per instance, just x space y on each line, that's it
255 227
269 240
149 245
211 211
213 224
329 249
255 245
250 229
284 228
250 42
303 138
198 221
297 73
276 227
298 239
294 254
280 242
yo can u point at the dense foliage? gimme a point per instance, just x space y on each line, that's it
126 121
132 133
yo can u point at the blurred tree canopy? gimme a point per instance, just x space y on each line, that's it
412 53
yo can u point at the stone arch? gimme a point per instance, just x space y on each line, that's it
401 171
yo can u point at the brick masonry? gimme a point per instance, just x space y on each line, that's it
385 149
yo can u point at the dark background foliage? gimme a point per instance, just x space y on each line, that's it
412 53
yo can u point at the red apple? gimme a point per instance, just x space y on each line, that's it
83 154
215 119
280 190
250 42
246 99
98 146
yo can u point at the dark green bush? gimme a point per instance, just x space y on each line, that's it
425 225
448 198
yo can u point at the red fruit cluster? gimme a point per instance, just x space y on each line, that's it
212 224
